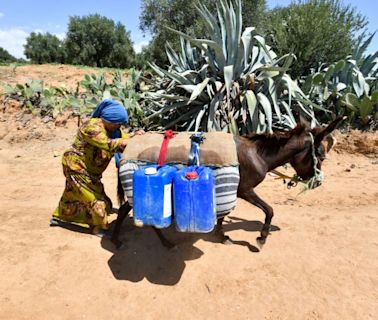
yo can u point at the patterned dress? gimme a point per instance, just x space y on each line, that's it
84 201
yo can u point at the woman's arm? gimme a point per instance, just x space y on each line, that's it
95 134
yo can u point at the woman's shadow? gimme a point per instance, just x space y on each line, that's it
143 255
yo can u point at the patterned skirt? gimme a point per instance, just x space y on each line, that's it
84 201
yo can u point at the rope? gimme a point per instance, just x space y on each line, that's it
168 135
318 176
308 184
194 154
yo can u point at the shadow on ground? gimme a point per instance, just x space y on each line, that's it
143 256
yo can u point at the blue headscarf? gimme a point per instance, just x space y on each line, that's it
111 111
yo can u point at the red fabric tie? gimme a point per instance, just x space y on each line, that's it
168 135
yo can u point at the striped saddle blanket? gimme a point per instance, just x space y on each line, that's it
226 184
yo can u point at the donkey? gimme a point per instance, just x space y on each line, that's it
258 154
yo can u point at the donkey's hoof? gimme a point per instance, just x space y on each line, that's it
260 241
54 222
173 248
226 240
170 246
118 244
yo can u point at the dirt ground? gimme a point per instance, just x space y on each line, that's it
320 261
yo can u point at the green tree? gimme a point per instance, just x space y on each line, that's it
95 40
6 57
44 48
182 15
316 31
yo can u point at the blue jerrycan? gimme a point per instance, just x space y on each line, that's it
194 199
152 198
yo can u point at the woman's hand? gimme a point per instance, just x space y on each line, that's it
124 142
140 132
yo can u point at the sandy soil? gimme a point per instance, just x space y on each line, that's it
320 262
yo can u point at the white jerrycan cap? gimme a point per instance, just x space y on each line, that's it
150 170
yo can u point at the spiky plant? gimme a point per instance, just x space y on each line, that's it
348 87
231 81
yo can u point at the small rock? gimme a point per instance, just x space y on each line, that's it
27 117
375 162
47 119
352 166
348 170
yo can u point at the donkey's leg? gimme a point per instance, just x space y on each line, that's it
122 214
219 232
253 198
165 242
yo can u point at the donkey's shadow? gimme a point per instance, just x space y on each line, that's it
143 255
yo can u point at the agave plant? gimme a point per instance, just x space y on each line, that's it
348 86
232 81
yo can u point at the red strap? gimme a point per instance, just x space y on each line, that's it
168 135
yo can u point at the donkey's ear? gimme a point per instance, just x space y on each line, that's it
303 121
329 141
326 131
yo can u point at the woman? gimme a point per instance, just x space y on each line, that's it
84 201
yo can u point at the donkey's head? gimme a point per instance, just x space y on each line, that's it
316 143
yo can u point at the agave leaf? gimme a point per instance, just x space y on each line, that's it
188 87
165 108
261 41
157 69
212 22
252 104
172 75
233 127
290 116
272 68
358 84
273 96
360 49
173 57
198 89
264 102
261 126
228 77
247 42
212 122
185 116
199 118
309 102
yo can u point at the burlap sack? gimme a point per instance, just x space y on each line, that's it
218 149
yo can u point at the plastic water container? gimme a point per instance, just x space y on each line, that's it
152 198
194 199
